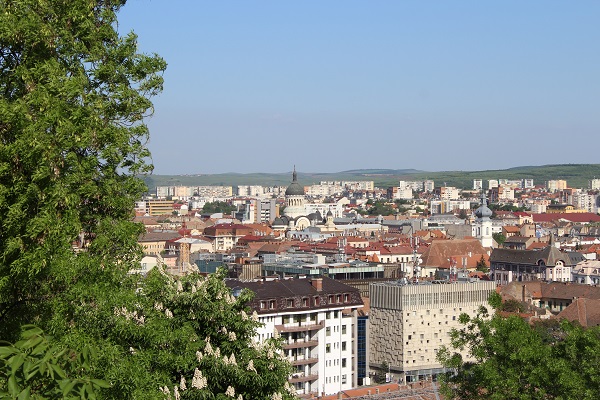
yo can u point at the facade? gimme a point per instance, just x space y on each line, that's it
548 264
159 207
409 324
225 236
556 185
317 318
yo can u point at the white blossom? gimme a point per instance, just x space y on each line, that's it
194 290
232 360
217 352
277 396
131 350
250 366
168 313
208 349
276 334
244 315
270 353
176 393
179 287
158 306
254 316
182 383
199 381
240 397
199 356
232 336
230 391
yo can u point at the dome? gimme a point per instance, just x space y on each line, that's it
295 189
483 211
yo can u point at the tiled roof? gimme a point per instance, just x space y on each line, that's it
585 311
573 217
439 253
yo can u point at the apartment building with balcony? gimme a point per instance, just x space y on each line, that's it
317 319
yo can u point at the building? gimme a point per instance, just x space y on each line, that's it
548 264
225 236
409 324
317 319
556 185
477 184
159 207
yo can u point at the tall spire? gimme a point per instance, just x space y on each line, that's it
294 175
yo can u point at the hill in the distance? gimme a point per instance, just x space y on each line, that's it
576 175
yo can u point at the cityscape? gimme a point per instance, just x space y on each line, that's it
133 266
363 282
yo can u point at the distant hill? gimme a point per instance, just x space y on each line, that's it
576 175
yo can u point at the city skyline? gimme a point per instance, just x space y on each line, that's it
258 87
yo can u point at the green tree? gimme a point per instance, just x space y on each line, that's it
218 207
73 94
482 265
509 359
500 238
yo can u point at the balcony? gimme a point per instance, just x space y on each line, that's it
300 377
303 361
300 327
298 344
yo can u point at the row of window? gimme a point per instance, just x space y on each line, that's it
333 363
335 329
335 346
305 302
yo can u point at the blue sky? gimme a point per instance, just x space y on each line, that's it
258 86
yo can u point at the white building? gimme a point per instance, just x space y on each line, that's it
587 272
477 184
316 317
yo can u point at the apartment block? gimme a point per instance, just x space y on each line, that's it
317 318
409 324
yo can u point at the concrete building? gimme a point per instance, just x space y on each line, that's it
556 185
317 318
409 324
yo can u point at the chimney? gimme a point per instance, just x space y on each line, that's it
317 283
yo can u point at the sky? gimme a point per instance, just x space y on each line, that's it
330 86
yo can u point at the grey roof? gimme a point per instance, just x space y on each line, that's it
549 255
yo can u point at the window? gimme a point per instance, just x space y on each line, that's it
339 298
328 331
331 299
305 302
335 314
343 363
328 348
343 328
343 345
271 304
409 337
346 298
344 379
263 305
317 300
289 303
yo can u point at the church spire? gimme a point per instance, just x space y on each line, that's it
294 175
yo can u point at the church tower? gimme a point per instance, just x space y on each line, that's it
483 223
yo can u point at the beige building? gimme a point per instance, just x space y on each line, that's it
409 323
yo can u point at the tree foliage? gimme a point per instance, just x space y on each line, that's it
73 97
218 207
506 358
35 368
73 94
